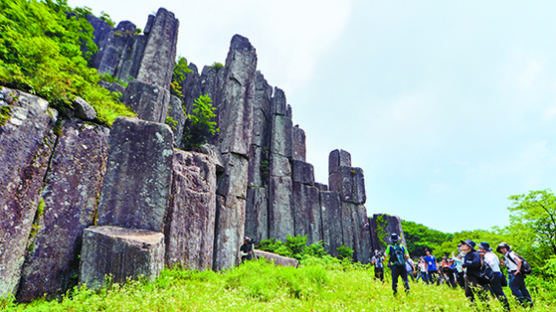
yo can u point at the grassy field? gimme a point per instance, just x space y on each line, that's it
316 285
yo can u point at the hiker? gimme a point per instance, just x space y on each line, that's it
378 261
491 271
247 249
448 272
432 265
410 268
472 265
515 277
423 270
458 261
397 254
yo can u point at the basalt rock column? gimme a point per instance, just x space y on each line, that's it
298 148
281 219
136 186
331 212
256 219
306 203
350 184
189 233
69 202
149 95
26 143
235 120
113 46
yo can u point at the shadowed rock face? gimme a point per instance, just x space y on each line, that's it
307 212
349 182
338 158
382 226
70 196
189 232
175 111
123 253
331 226
136 186
26 143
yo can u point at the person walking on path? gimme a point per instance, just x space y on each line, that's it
516 278
423 270
472 264
491 265
432 267
397 255
378 261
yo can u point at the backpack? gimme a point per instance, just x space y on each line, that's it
397 255
525 266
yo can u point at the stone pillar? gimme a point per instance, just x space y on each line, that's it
298 149
331 213
189 233
175 111
26 143
136 186
69 204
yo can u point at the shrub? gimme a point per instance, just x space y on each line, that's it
199 126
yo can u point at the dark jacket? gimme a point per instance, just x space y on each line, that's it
472 262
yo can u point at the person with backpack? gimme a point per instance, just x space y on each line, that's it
491 272
396 255
472 264
515 265
378 261
432 267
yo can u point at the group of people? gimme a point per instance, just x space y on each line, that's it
478 272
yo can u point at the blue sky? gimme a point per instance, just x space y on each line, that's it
448 106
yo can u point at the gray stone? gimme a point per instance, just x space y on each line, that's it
350 183
381 227
26 143
361 239
189 232
129 63
216 157
230 229
121 252
276 259
321 187
280 166
136 186
112 86
281 136
175 111
256 213
303 172
331 213
159 55
212 80
150 102
235 111
83 110
149 25
101 29
281 222
112 48
191 88
307 212
233 182
262 118
338 158
347 225
69 200
298 144
279 103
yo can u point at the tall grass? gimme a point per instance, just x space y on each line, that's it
317 285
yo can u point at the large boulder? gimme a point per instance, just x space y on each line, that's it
69 202
26 143
136 186
121 252
276 259
307 212
189 233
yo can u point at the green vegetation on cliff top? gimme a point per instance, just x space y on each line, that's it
40 52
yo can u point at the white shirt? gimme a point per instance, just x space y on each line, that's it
492 260
509 263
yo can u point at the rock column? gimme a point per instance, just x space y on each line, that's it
382 226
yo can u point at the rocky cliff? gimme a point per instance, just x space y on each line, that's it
79 199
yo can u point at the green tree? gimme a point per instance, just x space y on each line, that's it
418 237
200 125
532 228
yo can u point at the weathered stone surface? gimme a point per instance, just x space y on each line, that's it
361 234
307 212
26 142
122 252
331 213
347 225
150 102
175 111
129 63
276 259
262 112
112 86
101 29
303 172
149 25
112 48
69 200
83 109
235 112
382 226
279 103
212 80
256 213
216 157
298 144
321 187
230 229
189 232
136 186
338 158
191 88
281 136
159 55
350 183
281 222
280 166
233 182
